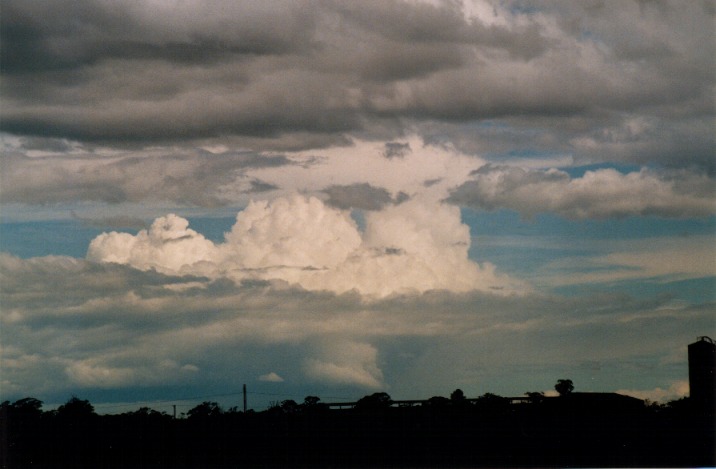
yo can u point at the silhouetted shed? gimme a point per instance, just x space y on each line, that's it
596 402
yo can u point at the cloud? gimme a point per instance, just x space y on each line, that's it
305 76
121 221
418 245
46 145
167 246
361 196
356 176
679 258
182 32
72 326
189 177
396 149
291 232
383 108
347 363
675 391
260 186
111 372
361 171
603 193
271 378
87 375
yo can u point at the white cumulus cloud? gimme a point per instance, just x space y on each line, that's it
676 390
271 378
291 232
167 246
418 245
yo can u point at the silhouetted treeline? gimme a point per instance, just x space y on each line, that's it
576 429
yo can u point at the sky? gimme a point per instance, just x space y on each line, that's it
337 198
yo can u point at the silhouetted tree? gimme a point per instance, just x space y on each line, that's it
493 432
683 404
312 405
146 412
274 406
457 396
438 402
492 403
5 407
310 401
28 406
289 406
204 410
489 397
20 424
76 409
378 400
564 387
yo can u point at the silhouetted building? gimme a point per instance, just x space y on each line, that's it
702 371
594 403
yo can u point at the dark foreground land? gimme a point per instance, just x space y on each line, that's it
488 431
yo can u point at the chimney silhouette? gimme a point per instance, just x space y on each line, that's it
702 372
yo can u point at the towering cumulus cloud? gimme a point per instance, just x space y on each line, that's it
415 246
292 232
168 246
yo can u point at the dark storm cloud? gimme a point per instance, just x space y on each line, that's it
193 178
52 35
305 74
445 24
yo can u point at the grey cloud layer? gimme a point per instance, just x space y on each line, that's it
193 178
361 196
199 178
597 194
124 71
71 325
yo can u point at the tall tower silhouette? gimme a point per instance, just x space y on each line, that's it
702 372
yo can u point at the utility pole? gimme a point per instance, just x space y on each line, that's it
244 398
175 411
